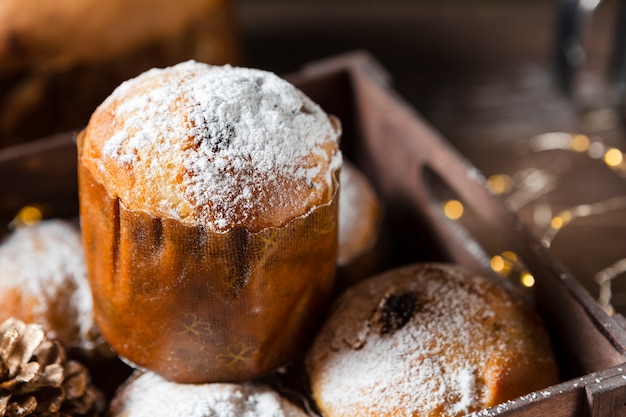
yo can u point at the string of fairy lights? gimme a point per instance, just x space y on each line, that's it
528 185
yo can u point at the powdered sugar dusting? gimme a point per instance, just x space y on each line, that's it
150 395
229 130
43 262
432 364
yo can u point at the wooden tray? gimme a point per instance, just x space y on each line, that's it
414 170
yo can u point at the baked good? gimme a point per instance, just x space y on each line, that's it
149 395
360 215
43 280
59 60
428 340
208 202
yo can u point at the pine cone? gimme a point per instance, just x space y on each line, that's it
37 379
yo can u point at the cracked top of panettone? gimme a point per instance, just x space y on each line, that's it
217 146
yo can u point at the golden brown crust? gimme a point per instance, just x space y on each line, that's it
154 177
428 340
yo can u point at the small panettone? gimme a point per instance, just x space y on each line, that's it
431 340
36 379
43 279
208 202
59 59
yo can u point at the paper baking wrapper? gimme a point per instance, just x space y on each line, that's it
198 306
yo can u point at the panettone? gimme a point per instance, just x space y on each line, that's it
208 200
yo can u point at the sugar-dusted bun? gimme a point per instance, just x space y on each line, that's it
428 340
149 395
360 211
208 200
43 280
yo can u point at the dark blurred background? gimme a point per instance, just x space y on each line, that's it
431 48
484 74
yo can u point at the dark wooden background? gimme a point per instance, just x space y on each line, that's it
482 73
